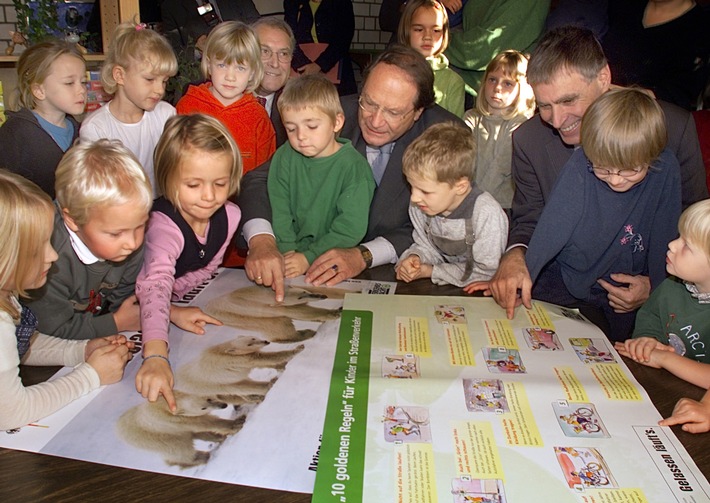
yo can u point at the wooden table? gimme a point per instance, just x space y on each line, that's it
29 477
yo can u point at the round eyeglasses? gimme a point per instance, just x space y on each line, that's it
283 55
623 173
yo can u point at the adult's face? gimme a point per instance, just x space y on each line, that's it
563 101
387 105
276 68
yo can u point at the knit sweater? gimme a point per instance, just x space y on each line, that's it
674 316
319 203
474 235
78 300
246 119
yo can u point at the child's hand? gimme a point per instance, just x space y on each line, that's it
155 378
640 349
115 340
128 316
192 319
478 286
295 264
109 361
693 415
409 269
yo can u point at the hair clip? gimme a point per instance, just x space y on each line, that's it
141 26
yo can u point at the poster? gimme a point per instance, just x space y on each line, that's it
265 434
440 399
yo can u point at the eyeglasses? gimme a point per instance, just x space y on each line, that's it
284 55
623 173
390 116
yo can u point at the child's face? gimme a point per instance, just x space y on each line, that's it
203 186
620 180
63 90
229 80
687 261
501 92
140 86
112 232
45 259
437 198
312 132
427 31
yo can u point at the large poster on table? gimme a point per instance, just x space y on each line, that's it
251 394
440 399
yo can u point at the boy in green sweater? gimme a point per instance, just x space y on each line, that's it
320 187
673 327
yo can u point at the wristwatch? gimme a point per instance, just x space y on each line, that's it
366 255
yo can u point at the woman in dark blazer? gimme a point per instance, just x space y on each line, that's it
335 26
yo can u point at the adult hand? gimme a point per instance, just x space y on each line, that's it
264 264
335 266
693 415
624 299
452 5
512 275
128 315
191 319
309 69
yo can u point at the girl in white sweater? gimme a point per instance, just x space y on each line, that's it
25 259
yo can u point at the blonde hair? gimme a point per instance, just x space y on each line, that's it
103 173
314 91
405 22
623 129
27 217
234 42
445 152
135 44
182 134
514 65
35 64
694 225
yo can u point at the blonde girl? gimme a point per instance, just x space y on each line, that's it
51 88
138 64
26 226
504 102
232 64
197 168
424 26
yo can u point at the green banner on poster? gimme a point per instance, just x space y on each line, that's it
341 461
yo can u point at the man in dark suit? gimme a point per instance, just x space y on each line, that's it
277 45
568 72
396 105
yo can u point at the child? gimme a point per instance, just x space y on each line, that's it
459 230
51 82
320 187
425 27
137 67
103 199
615 205
673 327
504 102
232 60
197 167
27 225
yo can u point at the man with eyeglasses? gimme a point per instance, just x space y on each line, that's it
568 72
277 43
396 105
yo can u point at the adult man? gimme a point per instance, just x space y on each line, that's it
277 43
396 105
568 71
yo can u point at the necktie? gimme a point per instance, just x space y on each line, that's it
261 100
379 164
